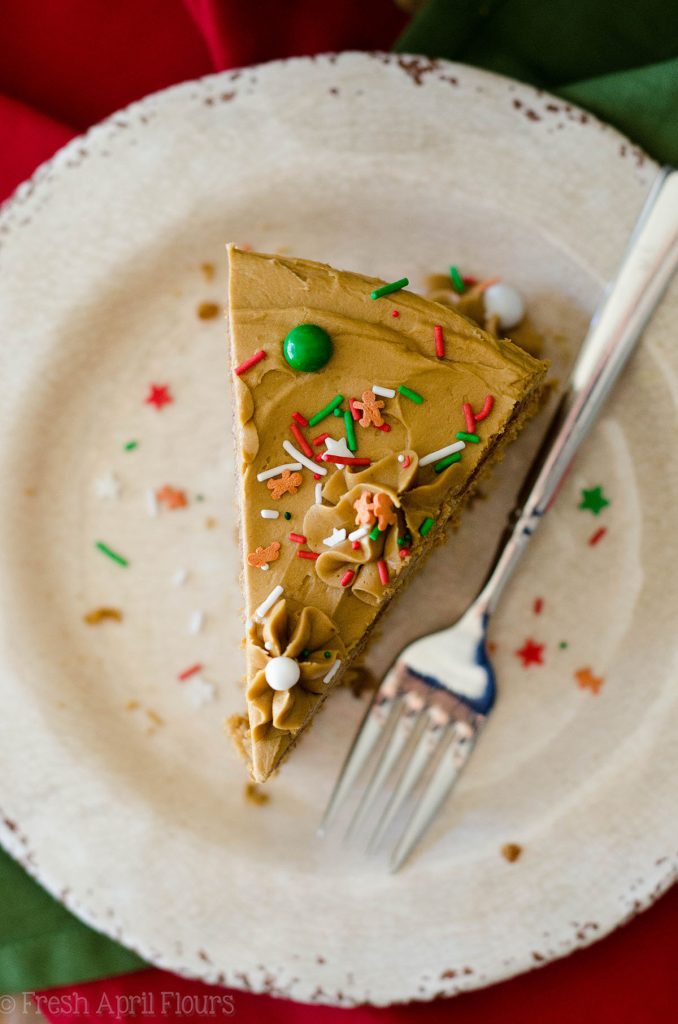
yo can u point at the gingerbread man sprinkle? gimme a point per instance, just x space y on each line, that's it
263 556
370 406
172 497
371 508
288 483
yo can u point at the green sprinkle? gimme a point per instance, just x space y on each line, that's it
326 410
131 445
327 654
113 555
338 412
350 432
562 644
449 460
405 540
305 653
394 286
425 527
471 438
287 515
374 532
457 280
409 393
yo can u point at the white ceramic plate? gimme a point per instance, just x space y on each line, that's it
386 165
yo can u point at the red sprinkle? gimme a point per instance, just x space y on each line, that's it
395 313
303 443
470 418
355 544
406 462
440 341
298 538
341 460
598 535
469 281
347 577
188 672
383 572
538 605
317 441
302 553
404 552
383 426
301 420
355 413
317 476
486 410
249 363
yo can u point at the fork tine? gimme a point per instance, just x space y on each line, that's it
437 790
423 755
402 740
377 726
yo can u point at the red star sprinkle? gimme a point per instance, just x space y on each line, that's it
158 395
531 653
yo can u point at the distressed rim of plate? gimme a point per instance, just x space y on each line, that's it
34 191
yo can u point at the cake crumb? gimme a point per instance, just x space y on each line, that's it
132 705
102 614
511 852
208 310
155 717
208 271
210 523
254 795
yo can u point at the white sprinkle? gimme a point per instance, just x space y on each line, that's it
268 645
358 534
339 447
269 513
338 536
180 576
268 473
313 466
384 392
264 566
107 486
401 458
332 672
199 690
151 503
318 493
248 624
450 449
266 605
506 303
196 622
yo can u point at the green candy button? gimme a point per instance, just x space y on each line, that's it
307 347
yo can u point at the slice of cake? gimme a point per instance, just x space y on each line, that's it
364 415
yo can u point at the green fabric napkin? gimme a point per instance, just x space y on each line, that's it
617 58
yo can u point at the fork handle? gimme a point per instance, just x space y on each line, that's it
648 266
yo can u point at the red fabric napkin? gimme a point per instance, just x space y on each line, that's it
65 64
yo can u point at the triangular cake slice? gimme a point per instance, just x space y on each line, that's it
363 417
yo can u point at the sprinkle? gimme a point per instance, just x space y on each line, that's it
597 536
131 445
113 555
340 460
384 392
317 441
158 395
587 681
358 534
298 538
374 532
172 497
266 605
383 426
188 672
355 413
301 420
488 405
404 552
449 461
350 431
469 417
457 280
291 450
538 605
337 448
318 494
405 539
277 470
563 644
395 313
355 544
332 672
408 393
180 576
151 503
531 653
439 341
327 654
338 537
487 283
301 440
387 289
468 280
302 553
383 572
269 513
450 449
326 410
336 412
107 486
249 363
196 622
425 527
265 567
470 438
287 515
593 499
347 577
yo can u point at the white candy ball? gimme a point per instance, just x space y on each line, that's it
507 303
282 673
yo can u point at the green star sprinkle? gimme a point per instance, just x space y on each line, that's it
593 499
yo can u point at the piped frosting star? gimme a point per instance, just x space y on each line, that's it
593 499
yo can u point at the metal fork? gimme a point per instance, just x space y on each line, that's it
426 716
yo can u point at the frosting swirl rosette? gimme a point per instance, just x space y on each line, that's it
289 662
